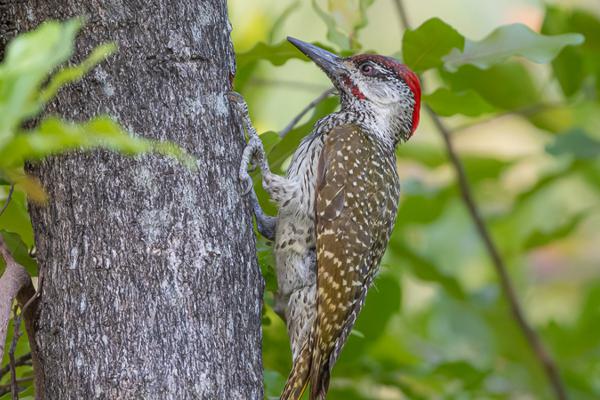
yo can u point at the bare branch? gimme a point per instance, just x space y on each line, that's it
15 283
14 279
306 109
543 357
19 362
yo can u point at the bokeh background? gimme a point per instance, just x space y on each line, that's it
436 324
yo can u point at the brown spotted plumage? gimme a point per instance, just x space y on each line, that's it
337 206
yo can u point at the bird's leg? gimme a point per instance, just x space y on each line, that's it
264 223
254 152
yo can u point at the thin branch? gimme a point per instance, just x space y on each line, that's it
402 14
7 201
533 339
14 387
19 362
306 109
7 388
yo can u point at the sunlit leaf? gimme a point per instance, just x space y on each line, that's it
507 41
29 59
71 74
424 47
334 35
54 136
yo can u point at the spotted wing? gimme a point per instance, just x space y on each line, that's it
357 195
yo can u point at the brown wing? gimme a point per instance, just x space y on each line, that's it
357 193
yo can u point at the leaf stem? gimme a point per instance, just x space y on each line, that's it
533 339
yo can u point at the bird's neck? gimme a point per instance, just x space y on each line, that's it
388 124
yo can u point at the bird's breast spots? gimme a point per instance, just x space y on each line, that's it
353 88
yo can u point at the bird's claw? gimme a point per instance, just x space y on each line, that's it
249 158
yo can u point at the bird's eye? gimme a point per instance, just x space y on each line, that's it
367 69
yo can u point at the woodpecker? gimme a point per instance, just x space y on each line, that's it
336 206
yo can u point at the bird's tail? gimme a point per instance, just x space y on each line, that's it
298 379
319 376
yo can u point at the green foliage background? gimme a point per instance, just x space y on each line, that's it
523 106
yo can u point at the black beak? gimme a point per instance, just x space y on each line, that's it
328 62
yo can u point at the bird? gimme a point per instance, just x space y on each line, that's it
337 206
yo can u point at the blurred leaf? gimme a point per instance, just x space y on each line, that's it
15 218
19 251
333 33
447 103
72 74
540 238
507 41
276 54
576 143
350 14
54 136
568 65
425 269
424 47
287 12
29 59
513 87
274 383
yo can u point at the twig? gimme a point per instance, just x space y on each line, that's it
21 361
402 14
541 354
306 109
7 388
14 387
7 201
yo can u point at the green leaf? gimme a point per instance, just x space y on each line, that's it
19 251
334 35
276 54
425 269
72 74
568 65
541 238
447 103
15 218
508 41
55 136
576 143
424 47
507 86
289 10
29 59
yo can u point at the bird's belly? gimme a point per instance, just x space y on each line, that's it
295 236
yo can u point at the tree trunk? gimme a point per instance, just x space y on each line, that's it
151 288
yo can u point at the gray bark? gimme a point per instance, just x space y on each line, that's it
151 288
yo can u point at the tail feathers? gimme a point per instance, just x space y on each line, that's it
298 379
319 378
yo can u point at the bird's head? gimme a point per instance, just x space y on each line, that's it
380 84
